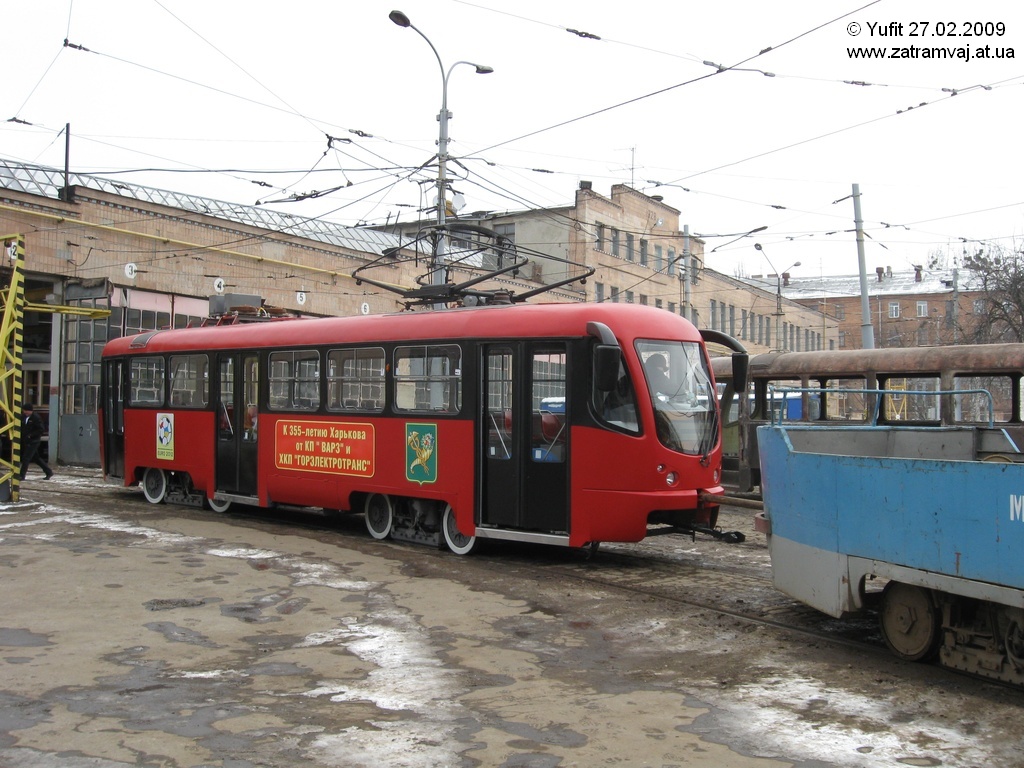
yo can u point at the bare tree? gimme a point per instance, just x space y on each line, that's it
997 278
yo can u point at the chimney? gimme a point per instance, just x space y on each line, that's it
918 269
888 272
880 271
785 279
586 185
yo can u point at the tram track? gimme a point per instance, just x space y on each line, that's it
702 574
76 483
730 581
753 586
769 608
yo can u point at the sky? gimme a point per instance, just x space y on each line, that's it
741 114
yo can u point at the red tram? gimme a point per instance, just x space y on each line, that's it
535 423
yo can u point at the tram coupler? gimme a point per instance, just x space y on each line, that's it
729 537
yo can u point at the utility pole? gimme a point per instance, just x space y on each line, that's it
780 341
956 305
867 330
65 194
687 279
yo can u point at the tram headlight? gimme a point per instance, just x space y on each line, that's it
718 475
671 478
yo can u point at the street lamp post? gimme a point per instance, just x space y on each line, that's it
780 342
437 275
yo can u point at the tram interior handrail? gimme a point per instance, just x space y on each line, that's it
498 431
227 418
784 391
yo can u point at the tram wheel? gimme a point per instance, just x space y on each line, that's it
909 620
219 505
154 485
1013 639
457 542
380 515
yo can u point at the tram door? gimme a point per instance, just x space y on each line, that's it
237 424
113 420
525 463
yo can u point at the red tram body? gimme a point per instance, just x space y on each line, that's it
521 422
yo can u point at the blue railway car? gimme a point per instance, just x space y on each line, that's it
934 514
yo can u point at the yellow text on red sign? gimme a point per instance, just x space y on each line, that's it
334 447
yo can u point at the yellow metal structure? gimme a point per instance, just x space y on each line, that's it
11 351
12 360
896 405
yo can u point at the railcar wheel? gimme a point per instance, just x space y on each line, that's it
909 620
154 485
219 505
1013 640
457 542
380 515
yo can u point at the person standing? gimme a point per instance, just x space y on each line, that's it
31 438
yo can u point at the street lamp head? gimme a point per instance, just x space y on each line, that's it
400 19
795 264
758 246
483 69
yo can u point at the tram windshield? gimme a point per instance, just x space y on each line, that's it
684 400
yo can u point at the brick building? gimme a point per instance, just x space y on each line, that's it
158 259
642 254
910 308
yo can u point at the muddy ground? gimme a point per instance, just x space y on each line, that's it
134 635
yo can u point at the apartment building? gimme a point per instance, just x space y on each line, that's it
914 307
641 253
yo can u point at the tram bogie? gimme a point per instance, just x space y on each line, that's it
982 638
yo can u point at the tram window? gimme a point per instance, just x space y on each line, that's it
548 436
897 406
617 407
500 424
428 378
225 415
147 381
777 399
189 381
974 406
841 404
294 381
355 379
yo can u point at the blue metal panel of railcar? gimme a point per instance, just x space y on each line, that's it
913 505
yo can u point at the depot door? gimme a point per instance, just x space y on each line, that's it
525 437
237 433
